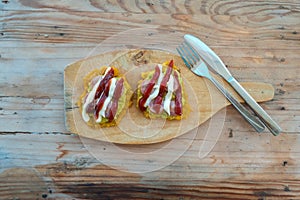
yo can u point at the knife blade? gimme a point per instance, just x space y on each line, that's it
213 61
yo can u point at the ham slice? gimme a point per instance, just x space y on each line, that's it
100 101
112 108
178 96
144 86
157 94
109 73
162 91
94 81
154 107
148 89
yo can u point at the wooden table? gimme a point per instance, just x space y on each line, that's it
40 159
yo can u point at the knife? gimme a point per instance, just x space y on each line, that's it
213 61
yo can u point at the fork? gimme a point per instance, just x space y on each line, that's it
193 61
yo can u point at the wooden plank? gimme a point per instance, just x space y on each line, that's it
68 168
155 6
64 27
234 57
226 153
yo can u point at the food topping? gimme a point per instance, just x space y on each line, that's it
178 96
147 94
102 100
113 105
109 73
163 92
168 98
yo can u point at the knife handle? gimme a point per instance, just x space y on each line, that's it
250 117
265 118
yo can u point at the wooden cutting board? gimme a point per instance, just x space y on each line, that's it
204 99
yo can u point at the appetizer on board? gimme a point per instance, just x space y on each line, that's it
106 97
161 94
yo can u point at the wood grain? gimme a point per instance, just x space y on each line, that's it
227 169
258 41
233 32
161 7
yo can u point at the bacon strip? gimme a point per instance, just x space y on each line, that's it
101 99
149 88
171 63
162 89
111 110
178 97
106 78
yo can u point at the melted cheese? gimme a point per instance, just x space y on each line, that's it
168 97
112 88
156 87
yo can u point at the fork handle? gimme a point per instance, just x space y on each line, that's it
266 119
255 122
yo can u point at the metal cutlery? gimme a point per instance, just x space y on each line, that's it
196 65
213 61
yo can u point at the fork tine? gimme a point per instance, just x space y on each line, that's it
182 55
189 54
193 52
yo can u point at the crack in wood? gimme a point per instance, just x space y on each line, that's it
33 133
63 152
